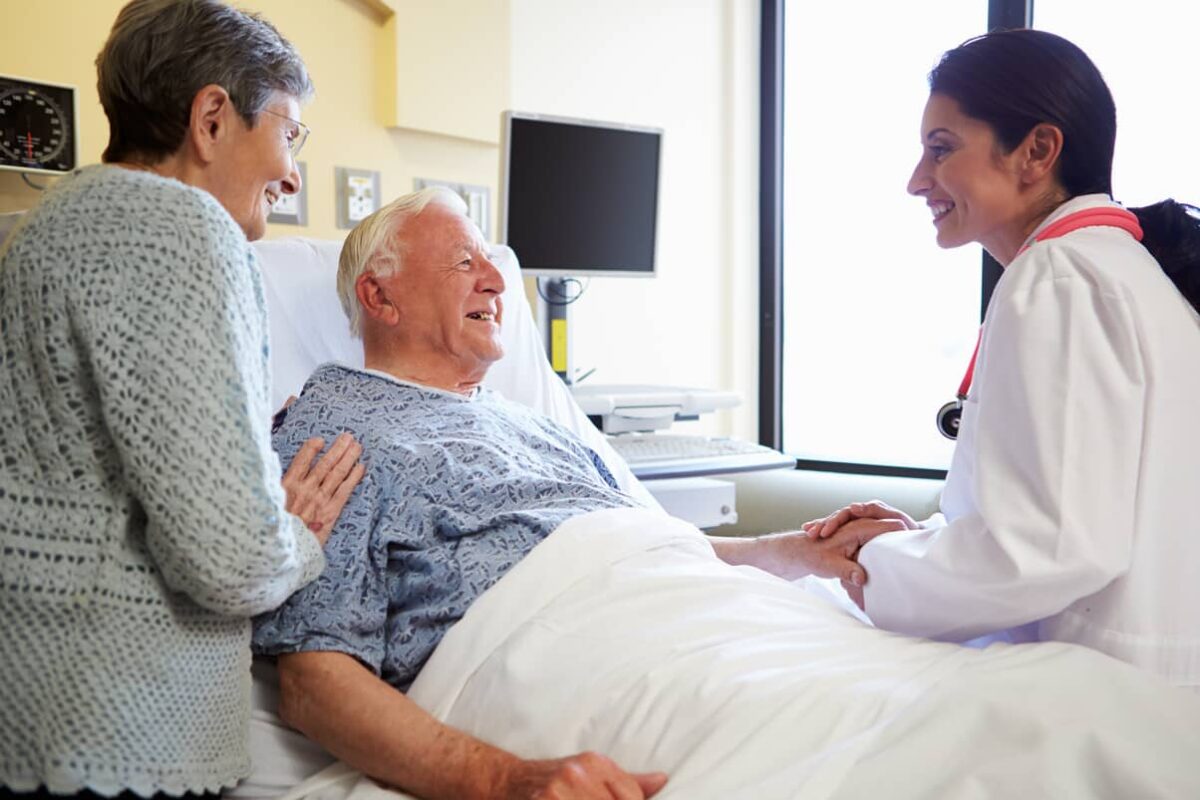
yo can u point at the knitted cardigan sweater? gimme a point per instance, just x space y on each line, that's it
142 519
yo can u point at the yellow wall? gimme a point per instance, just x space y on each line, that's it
688 66
466 41
345 44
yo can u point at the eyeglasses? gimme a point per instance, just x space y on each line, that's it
296 137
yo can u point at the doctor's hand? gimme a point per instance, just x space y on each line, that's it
586 776
317 491
872 509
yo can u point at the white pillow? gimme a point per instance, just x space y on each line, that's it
309 328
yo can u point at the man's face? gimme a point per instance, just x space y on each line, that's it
447 292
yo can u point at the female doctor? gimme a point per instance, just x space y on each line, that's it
1067 507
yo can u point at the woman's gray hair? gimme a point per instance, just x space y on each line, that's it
375 246
160 53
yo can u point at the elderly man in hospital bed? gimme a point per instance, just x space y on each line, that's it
495 605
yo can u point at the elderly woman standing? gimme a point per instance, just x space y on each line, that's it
142 518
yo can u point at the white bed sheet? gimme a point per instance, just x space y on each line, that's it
622 633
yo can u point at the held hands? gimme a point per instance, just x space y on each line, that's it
853 515
317 491
872 509
796 554
586 776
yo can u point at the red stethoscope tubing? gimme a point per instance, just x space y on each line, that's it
965 385
1088 218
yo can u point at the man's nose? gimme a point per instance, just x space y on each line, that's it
491 279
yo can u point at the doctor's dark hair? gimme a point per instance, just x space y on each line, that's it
160 53
1016 79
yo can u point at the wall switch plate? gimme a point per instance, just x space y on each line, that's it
477 198
357 195
292 209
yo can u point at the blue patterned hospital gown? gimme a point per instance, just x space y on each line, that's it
457 490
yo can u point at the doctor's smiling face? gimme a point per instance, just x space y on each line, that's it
974 190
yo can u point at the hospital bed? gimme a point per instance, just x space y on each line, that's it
308 328
863 713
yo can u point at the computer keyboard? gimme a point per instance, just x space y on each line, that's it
636 448
660 454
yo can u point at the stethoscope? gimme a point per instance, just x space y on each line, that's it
949 416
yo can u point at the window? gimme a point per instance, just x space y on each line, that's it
866 325
878 323
1147 59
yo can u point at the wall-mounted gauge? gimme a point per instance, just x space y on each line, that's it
38 131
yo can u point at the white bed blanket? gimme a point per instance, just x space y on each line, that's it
622 633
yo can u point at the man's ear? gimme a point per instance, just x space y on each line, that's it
212 115
1040 152
374 301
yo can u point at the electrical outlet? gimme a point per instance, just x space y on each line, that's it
477 207
360 197
477 199
357 195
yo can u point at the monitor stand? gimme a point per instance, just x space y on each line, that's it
556 298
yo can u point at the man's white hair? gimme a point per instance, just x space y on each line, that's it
375 246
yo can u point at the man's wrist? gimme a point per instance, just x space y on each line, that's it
744 551
775 553
782 554
487 771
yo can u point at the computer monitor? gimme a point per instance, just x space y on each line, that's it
579 197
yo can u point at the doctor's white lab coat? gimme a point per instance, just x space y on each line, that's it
1073 498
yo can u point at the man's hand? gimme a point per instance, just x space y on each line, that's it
795 554
317 491
580 777
340 704
872 509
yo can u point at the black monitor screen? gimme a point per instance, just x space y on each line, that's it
581 197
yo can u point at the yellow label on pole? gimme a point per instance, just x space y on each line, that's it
558 345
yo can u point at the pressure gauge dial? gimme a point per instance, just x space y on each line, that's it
37 126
